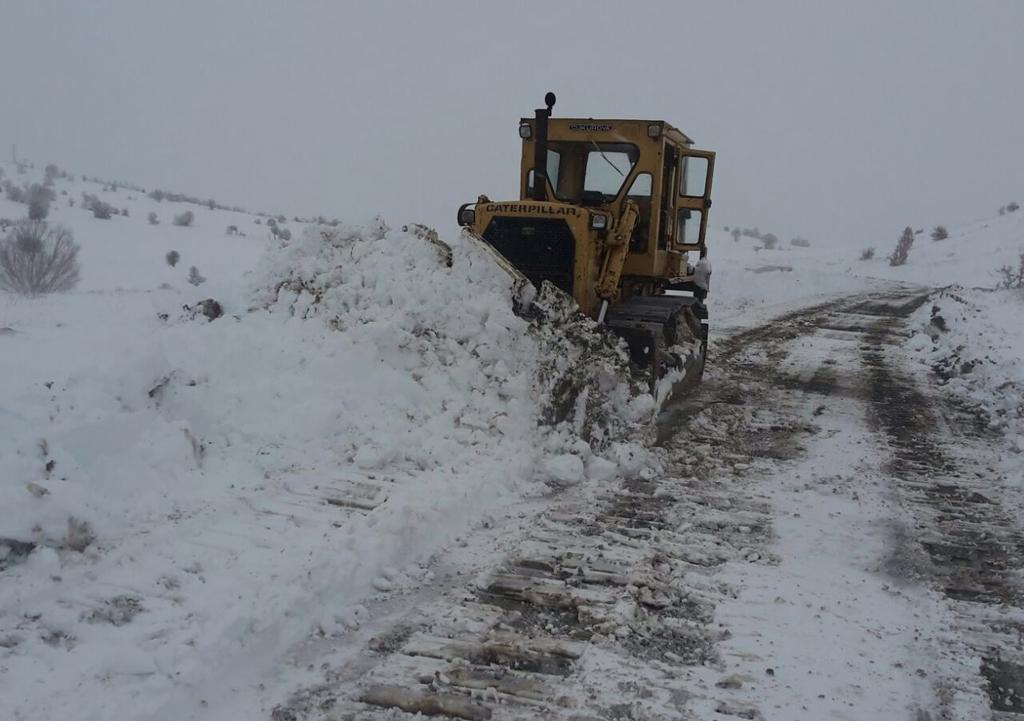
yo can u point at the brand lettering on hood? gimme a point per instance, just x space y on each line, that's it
530 209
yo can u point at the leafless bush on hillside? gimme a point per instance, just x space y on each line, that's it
800 242
15 193
38 198
153 220
902 252
940 233
185 219
51 172
1012 208
867 254
37 259
769 240
172 258
194 276
1013 277
100 208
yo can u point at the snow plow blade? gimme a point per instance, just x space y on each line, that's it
664 333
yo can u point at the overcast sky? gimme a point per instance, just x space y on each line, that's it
841 121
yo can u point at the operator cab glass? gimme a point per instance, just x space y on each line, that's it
588 173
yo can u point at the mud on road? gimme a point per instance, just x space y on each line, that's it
606 604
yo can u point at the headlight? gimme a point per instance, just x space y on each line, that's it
598 221
525 131
653 130
467 216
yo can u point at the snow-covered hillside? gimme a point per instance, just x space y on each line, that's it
751 282
181 495
186 502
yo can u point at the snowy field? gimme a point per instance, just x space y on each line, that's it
185 500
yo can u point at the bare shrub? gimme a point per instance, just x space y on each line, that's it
1012 208
185 219
102 210
1002 210
50 173
153 220
37 259
902 252
800 242
736 235
172 258
38 198
940 233
232 230
15 193
769 240
867 254
1013 277
194 277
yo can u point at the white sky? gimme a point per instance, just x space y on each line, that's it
842 121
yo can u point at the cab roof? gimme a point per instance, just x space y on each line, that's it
608 129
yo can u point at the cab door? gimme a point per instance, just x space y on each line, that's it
696 171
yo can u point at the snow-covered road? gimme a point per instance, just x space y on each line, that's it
826 539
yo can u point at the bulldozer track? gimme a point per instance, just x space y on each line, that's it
606 606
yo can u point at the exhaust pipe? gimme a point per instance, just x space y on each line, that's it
540 149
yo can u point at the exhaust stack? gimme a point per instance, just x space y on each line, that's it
540 149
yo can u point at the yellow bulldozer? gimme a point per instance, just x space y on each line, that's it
614 213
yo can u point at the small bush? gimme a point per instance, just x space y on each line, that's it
940 233
232 230
15 193
800 242
1013 277
1012 208
194 277
736 235
902 252
185 219
867 254
153 220
211 204
1002 210
37 259
38 198
172 258
102 210
769 240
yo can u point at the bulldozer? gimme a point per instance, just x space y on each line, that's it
615 214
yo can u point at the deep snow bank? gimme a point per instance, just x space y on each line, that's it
184 501
972 340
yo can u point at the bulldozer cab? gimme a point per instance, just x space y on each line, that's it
608 209
604 163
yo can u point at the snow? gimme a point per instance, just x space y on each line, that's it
840 627
202 498
971 340
214 465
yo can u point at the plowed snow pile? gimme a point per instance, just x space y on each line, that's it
184 501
